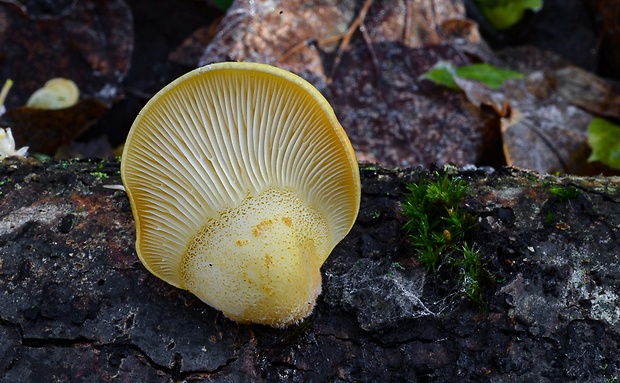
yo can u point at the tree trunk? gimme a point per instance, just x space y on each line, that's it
76 304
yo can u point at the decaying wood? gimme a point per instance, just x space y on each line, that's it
77 305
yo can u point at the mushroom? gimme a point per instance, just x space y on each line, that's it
57 93
241 182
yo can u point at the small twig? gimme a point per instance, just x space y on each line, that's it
375 60
347 37
408 23
299 46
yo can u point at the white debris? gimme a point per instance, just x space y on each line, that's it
7 145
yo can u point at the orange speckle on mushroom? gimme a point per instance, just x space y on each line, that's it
287 221
262 227
242 242
268 260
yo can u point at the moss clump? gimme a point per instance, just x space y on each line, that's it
438 227
564 193
99 175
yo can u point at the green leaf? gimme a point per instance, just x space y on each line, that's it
604 139
503 14
491 76
223 4
443 73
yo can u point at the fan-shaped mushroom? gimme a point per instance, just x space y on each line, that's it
241 182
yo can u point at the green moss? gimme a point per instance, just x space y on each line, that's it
438 227
435 220
99 175
549 217
471 273
369 168
564 193
65 164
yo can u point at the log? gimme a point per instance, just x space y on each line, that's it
76 304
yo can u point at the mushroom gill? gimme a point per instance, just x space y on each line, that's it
241 182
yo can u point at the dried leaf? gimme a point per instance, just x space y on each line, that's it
548 138
366 57
540 130
588 91
295 33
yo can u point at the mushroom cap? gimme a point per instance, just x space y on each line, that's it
57 93
241 182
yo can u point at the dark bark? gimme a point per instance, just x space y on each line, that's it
77 305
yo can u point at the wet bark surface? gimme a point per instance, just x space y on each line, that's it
77 305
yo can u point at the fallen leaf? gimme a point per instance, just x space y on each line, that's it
588 91
366 58
489 75
394 118
443 73
540 129
88 42
548 137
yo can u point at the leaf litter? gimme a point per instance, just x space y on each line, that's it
367 57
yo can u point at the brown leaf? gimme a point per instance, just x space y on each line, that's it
540 129
293 33
366 57
588 91
287 33
548 138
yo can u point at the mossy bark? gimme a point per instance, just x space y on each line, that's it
77 305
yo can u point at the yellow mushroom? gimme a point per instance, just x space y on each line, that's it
57 93
241 182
